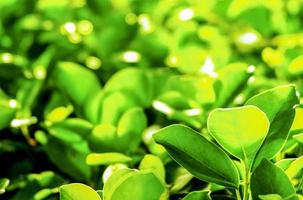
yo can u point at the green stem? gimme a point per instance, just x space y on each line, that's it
246 183
25 133
238 194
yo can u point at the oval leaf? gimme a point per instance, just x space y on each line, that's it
240 131
69 78
151 162
136 185
277 104
78 191
270 179
199 156
106 158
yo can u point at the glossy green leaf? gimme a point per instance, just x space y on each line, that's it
230 80
199 156
59 114
280 114
135 83
77 191
240 131
124 138
270 197
180 177
103 138
132 185
298 121
294 168
295 67
106 158
69 78
197 195
299 138
270 179
45 193
113 107
130 129
69 156
151 162
77 126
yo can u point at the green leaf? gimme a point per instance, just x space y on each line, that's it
270 197
76 81
103 138
77 191
199 156
126 137
130 129
113 107
106 158
4 182
240 131
34 184
59 114
230 80
69 157
294 168
151 162
298 120
179 177
295 67
299 137
135 83
132 185
277 104
197 195
270 179
77 126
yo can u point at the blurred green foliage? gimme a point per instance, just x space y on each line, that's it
84 84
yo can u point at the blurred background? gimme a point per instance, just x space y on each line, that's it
73 71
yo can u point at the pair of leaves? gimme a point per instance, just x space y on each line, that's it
234 129
124 137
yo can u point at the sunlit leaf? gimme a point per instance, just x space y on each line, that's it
106 158
77 191
151 162
280 114
231 130
132 185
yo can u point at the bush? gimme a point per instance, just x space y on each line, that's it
151 100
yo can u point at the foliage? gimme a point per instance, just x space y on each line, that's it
151 100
